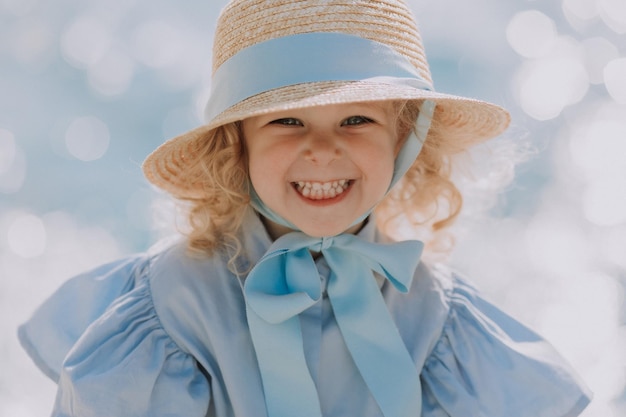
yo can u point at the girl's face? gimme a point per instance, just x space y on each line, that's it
321 168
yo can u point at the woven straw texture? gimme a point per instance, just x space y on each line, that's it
244 23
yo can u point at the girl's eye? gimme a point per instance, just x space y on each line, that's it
356 120
287 121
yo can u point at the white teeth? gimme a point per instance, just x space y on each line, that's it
321 191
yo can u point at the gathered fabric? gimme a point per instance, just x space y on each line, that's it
285 282
164 334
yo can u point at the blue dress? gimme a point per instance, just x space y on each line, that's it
165 334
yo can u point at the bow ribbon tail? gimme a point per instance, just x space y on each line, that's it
372 337
287 384
283 284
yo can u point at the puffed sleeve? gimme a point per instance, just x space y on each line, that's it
123 363
486 364
57 324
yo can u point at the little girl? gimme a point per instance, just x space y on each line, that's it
287 298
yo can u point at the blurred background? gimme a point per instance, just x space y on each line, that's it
88 88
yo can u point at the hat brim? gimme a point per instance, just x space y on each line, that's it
472 120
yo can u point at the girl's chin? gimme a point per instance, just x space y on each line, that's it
317 229
331 230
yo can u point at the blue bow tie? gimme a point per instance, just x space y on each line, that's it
285 282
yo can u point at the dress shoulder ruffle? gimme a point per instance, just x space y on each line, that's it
487 364
100 339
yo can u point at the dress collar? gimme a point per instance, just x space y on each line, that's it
256 241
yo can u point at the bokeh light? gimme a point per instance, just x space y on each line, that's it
113 73
555 74
27 236
598 148
172 51
531 33
547 86
581 9
613 13
8 150
87 138
105 82
85 42
12 164
556 245
598 52
615 79
604 202
157 44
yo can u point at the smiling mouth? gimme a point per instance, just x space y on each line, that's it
314 190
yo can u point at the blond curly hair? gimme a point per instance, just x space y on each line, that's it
425 198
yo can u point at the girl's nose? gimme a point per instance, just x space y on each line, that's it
322 149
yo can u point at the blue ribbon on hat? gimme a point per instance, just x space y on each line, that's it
285 281
304 58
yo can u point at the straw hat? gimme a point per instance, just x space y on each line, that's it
272 55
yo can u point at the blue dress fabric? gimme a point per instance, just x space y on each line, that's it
165 334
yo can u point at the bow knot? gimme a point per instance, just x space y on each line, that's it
326 243
285 282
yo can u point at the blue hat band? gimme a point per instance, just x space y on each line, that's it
305 58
